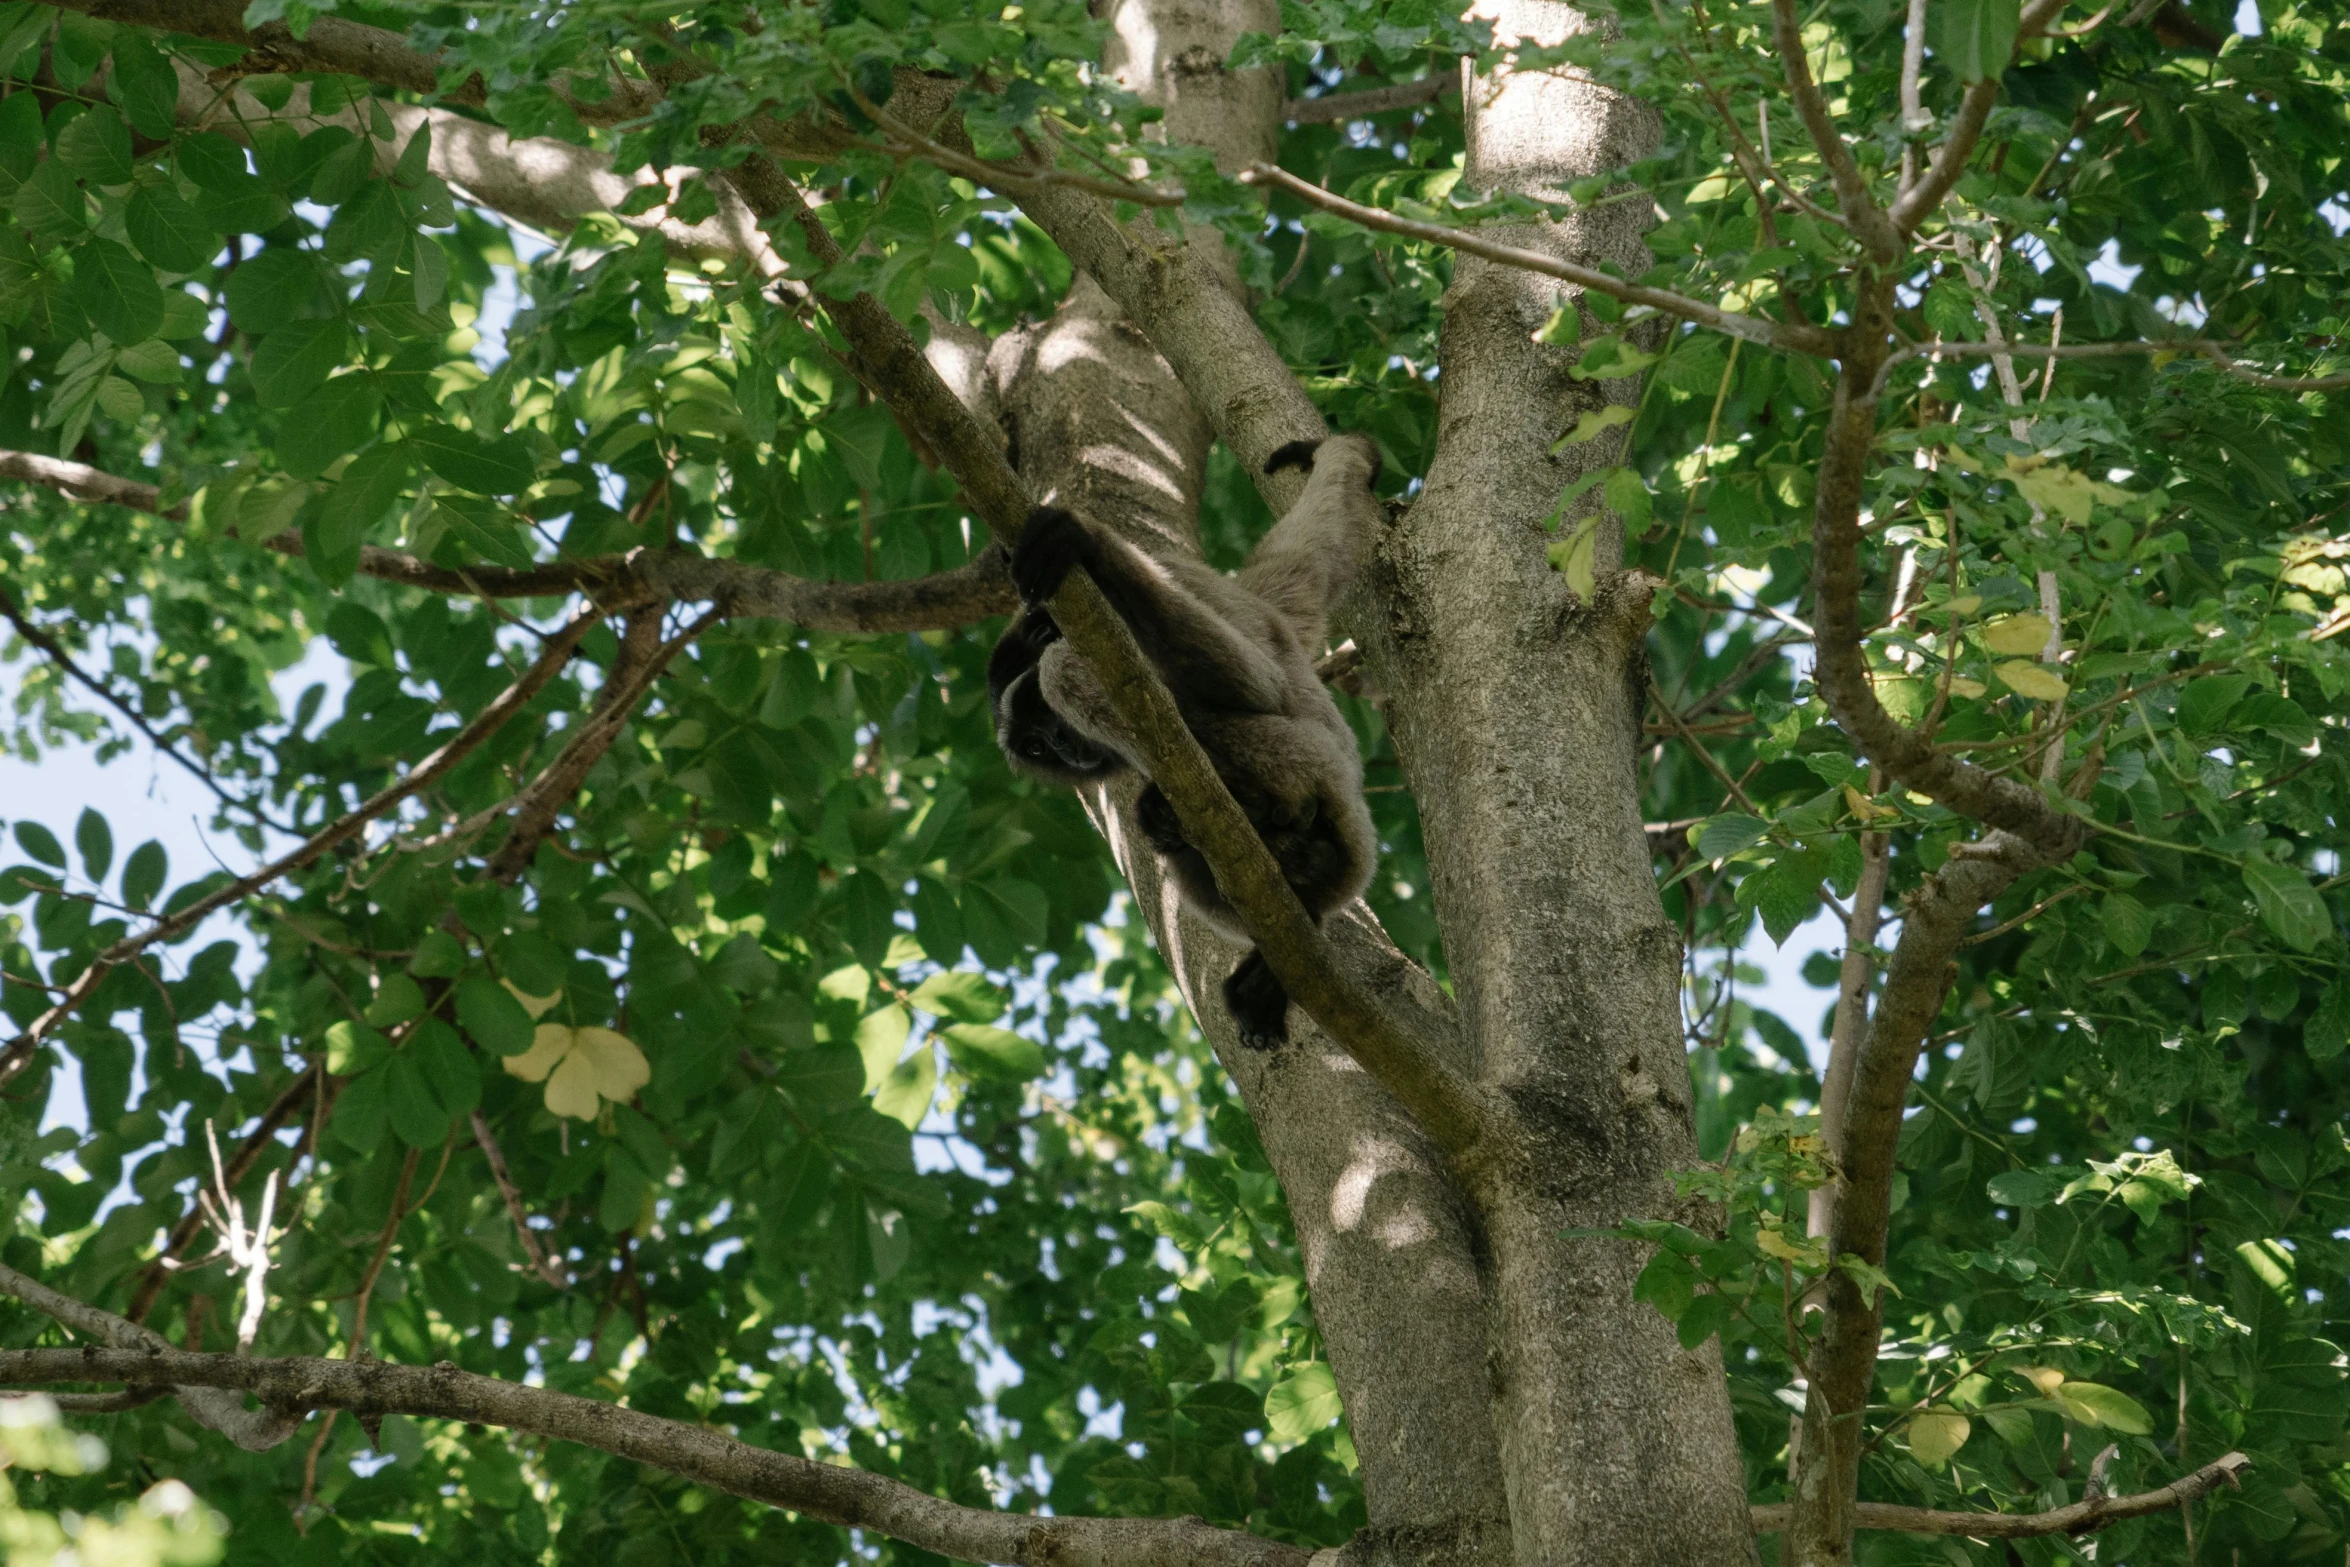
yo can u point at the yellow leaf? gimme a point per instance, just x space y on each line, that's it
1960 685
1595 423
2054 487
1962 606
572 1089
547 1047
1804 1253
2045 1378
536 1006
1572 556
2017 634
619 1067
1936 1434
2033 680
1863 807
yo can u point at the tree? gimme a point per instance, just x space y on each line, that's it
690 1101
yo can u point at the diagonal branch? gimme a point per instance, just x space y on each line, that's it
1867 219
56 654
1300 955
216 1408
423 775
1919 202
2079 1518
974 591
1755 329
830 1493
542 1262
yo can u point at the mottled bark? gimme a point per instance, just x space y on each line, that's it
1516 709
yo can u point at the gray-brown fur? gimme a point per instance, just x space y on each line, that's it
1238 655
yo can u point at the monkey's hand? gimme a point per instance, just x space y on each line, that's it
1051 544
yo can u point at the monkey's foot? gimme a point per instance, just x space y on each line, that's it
1258 1004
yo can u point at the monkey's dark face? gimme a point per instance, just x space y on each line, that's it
1041 741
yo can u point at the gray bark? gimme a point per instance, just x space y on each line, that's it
1517 710
1100 423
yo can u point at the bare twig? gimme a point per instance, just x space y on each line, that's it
2081 1517
1866 219
941 601
423 775
105 692
1362 104
541 1261
1920 201
1755 329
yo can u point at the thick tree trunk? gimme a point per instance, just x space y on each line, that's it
1516 708
1099 422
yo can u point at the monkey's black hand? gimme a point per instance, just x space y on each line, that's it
1258 1004
1051 543
1155 816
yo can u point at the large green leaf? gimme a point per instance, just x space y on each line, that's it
118 291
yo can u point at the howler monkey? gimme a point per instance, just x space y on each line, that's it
1238 655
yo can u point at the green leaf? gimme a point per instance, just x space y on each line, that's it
97 147
417 1115
118 291
295 360
96 841
501 467
213 162
143 874
1594 423
2288 904
271 289
1976 38
2204 704
2328 1028
2093 1404
51 205
167 231
2127 924
339 417
965 996
336 523
983 1051
450 1070
2021 1189
905 1094
1302 1403
1936 1435
1719 837
145 84
827 1074
439 955
489 1012
20 137
39 842
397 999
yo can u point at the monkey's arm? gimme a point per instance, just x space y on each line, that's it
1206 658
1306 563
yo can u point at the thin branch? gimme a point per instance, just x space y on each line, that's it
213 1407
542 1262
2080 1518
1921 200
641 659
829 1493
105 692
1914 118
1454 1112
1755 329
2277 383
1010 177
423 775
1861 212
1334 107
942 601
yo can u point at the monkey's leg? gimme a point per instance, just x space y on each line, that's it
1258 1004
